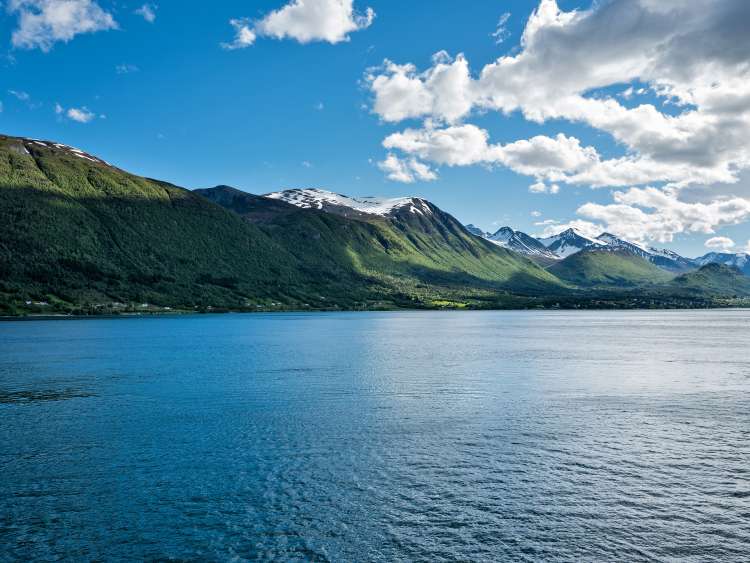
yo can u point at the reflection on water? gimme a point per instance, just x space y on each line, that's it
377 436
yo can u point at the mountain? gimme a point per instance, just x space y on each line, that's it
740 260
406 243
545 251
520 242
717 280
77 232
665 259
598 266
569 242
351 207
80 235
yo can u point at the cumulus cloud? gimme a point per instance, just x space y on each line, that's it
147 12
719 243
304 21
444 91
593 67
406 170
545 158
651 214
42 23
700 64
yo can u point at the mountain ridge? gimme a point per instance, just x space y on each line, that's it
79 235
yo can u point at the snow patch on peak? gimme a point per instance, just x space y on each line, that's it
314 198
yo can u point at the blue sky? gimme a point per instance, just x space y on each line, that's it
165 100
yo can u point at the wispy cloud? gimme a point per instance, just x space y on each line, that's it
147 12
501 33
126 69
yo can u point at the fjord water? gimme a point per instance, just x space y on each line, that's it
377 437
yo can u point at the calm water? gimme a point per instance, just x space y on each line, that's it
378 437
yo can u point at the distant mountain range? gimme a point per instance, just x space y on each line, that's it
80 235
572 241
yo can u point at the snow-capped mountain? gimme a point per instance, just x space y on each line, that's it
740 260
313 198
519 242
569 242
665 259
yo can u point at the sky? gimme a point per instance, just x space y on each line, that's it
631 116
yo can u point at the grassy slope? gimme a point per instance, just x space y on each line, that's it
424 258
713 279
81 232
599 268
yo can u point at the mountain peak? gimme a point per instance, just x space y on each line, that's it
324 200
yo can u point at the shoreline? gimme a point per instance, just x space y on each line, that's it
162 314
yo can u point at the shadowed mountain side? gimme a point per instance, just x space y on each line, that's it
81 231
405 248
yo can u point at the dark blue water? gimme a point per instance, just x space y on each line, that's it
377 437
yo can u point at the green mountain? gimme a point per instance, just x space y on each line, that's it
425 255
608 268
78 234
76 230
715 280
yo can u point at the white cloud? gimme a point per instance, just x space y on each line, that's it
593 67
305 21
719 243
406 170
20 95
542 188
543 157
651 214
536 213
80 115
444 91
693 54
307 164
126 69
244 36
41 23
147 12
501 33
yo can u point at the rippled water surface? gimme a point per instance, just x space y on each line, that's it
378 437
